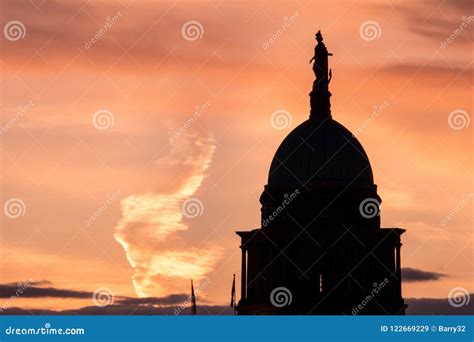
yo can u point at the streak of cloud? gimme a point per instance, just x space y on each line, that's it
414 274
151 229
11 290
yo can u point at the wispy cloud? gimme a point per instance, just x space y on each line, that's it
10 289
440 18
151 222
425 72
414 274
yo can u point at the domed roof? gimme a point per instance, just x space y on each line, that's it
320 150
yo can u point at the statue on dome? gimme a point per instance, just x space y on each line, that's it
320 58
320 94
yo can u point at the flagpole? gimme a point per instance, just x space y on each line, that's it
232 295
193 300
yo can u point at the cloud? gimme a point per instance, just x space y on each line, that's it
168 300
167 305
426 71
413 274
416 306
441 21
147 34
31 283
152 226
10 289
436 306
125 310
29 290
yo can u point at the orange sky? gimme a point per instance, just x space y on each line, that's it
189 117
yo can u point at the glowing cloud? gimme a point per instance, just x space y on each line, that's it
151 227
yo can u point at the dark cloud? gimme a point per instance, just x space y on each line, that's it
176 304
416 306
427 71
30 283
413 274
167 300
203 310
437 306
462 6
31 290
11 289
147 32
441 19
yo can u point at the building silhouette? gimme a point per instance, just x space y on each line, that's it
320 248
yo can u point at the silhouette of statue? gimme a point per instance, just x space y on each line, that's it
319 96
320 58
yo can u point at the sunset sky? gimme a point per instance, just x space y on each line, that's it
105 133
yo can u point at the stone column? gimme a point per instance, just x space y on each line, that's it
398 268
243 287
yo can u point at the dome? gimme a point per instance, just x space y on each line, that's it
320 151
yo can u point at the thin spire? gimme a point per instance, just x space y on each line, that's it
232 294
193 299
320 95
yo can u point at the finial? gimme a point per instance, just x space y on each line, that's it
319 36
320 104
